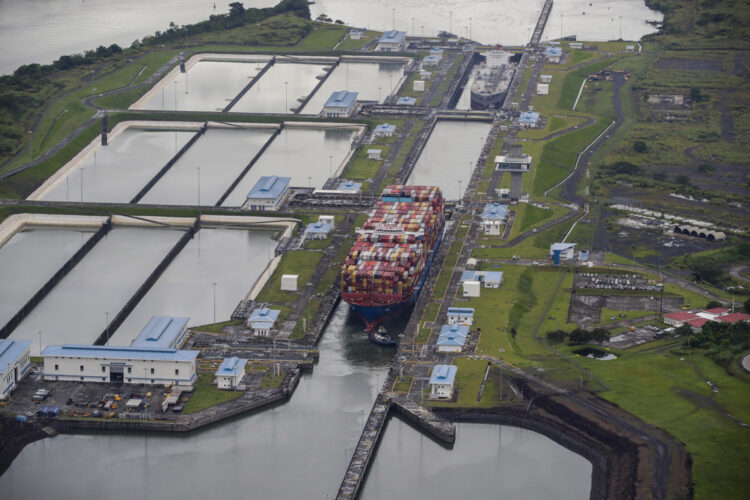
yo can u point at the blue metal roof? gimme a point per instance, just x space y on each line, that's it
232 366
468 276
10 351
443 374
493 277
562 246
264 314
161 331
529 117
461 310
553 51
409 101
431 59
269 186
494 211
486 276
385 128
318 228
436 51
453 335
341 99
392 36
350 186
131 352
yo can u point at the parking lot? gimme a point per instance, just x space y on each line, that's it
616 282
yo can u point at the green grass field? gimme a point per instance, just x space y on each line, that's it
300 262
207 395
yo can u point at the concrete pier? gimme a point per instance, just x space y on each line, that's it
249 85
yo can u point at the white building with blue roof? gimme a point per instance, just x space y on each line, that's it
384 130
562 251
406 101
15 362
553 54
262 320
491 279
340 105
317 230
349 186
269 193
442 381
130 365
163 331
392 41
230 373
528 119
431 60
462 316
493 217
452 338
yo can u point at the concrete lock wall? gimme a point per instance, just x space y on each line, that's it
135 371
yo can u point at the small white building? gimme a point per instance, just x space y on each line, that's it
513 162
630 48
418 85
493 217
471 289
269 193
431 61
553 54
262 319
341 104
317 231
425 75
230 373
355 34
463 316
545 78
576 45
327 219
406 101
542 88
566 251
15 362
130 365
392 41
384 130
289 282
374 154
442 380
491 279
471 263
528 119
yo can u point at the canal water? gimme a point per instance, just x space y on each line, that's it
450 155
280 89
373 82
208 167
231 258
486 461
115 173
76 310
199 89
307 155
296 450
42 30
29 259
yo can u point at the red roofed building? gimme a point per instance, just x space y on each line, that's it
716 311
679 318
697 324
733 318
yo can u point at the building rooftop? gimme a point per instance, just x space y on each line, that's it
436 50
264 314
443 374
561 246
493 277
733 317
385 128
161 331
461 310
392 36
341 99
553 51
698 322
494 211
716 311
453 335
486 276
682 316
529 117
318 228
407 101
431 60
524 158
131 352
10 350
349 186
269 187
232 367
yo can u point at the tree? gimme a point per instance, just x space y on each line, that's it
684 331
713 303
236 9
683 180
660 176
640 147
599 335
746 306
556 336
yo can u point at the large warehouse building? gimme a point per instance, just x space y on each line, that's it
15 361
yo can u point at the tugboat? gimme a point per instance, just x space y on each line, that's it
380 337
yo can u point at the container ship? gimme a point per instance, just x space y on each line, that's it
491 80
391 258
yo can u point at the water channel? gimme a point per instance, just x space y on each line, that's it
115 173
280 88
77 309
231 258
43 30
373 82
307 155
209 167
449 156
30 258
299 449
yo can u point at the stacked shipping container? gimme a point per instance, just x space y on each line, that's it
386 262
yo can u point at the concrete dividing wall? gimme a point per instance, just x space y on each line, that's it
17 222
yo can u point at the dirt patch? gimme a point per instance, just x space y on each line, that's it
688 64
721 179
587 309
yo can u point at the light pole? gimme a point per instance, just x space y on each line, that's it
561 25
330 165
412 26
82 169
620 27
214 302
185 28
378 95
459 190
469 28
199 185
106 324
286 92
393 10
175 95
309 181
450 22
40 343
31 144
